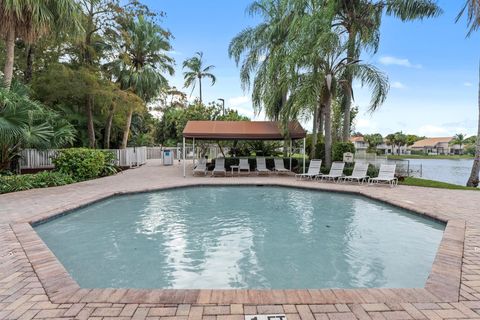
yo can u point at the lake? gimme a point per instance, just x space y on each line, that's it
451 171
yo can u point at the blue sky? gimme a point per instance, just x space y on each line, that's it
432 67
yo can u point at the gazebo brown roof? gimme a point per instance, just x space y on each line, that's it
241 130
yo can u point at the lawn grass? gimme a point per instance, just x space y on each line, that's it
422 156
410 181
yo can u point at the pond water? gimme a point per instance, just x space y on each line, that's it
445 170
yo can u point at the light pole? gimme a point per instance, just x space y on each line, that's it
223 105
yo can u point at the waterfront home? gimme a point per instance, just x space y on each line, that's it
439 145
361 146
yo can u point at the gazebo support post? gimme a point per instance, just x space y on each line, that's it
291 154
304 143
184 160
194 155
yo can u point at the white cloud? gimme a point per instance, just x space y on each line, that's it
468 84
431 130
389 60
238 101
397 85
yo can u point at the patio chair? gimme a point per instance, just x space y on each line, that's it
219 167
280 166
359 173
386 175
336 172
201 167
261 166
243 165
313 170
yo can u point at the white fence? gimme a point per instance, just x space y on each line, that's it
43 159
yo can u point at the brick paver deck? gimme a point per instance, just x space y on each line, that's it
34 285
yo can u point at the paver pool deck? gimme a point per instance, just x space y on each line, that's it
34 285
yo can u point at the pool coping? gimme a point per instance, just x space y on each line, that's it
442 285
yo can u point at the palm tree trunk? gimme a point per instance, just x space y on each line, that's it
90 125
126 131
8 70
474 175
200 86
108 127
29 66
347 101
328 131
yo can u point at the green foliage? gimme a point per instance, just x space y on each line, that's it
13 183
373 141
196 71
25 123
411 139
84 164
339 148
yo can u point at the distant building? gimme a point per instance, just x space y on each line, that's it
440 145
361 146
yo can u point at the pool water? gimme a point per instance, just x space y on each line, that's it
243 237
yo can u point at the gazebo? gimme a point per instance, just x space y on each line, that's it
241 130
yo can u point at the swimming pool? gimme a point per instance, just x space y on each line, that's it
243 237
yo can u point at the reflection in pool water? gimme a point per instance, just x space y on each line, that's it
243 237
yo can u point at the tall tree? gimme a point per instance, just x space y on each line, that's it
472 10
361 20
142 62
326 65
29 20
197 71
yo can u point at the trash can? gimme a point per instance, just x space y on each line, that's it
167 157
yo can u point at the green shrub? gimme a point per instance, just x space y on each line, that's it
109 167
12 183
81 163
339 148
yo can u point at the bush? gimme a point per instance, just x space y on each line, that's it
109 167
84 164
339 148
12 183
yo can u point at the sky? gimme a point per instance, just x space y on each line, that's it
432 67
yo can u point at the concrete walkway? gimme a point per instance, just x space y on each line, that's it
33 284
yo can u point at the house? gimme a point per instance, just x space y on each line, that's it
361 146
359 143
440 145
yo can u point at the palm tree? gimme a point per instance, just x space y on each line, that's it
361 20
472 9
29 20
262 53
27 123
459 139
142 62
327 64
197 71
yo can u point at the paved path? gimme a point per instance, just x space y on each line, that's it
34 285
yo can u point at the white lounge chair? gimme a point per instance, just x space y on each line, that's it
261 166
313 170
386 175
359 173
219 167
336 172
201 167
280 166
243 165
